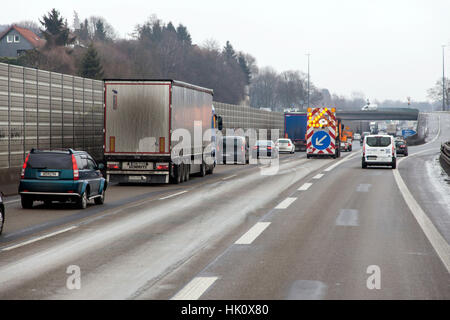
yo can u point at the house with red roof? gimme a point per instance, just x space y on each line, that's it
15 40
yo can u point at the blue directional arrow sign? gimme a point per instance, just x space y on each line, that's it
408 133
321 140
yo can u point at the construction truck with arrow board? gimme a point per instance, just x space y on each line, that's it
323 133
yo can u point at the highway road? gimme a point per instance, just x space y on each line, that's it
317 229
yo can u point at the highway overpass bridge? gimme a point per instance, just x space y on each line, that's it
380 114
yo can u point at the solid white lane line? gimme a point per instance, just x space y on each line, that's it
320 175
285 203
305 187
173 195
195 289
341 161
234 175
253 233
438 242
37 239
11 201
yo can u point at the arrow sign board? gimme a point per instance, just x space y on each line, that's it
321 140
408 133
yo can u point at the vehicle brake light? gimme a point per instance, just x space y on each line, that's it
289 144
113 165
22 175
76 174
162 167
269 148
242 148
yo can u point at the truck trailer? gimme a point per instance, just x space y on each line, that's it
155 131
295 129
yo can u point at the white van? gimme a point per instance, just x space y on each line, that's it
379 150
368 107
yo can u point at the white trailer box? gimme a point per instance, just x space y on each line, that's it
140 119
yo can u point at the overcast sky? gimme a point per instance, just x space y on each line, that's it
387 49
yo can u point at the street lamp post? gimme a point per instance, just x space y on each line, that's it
308 78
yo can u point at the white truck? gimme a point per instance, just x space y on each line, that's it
155 131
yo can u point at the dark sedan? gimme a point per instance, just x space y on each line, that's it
401 147
264 149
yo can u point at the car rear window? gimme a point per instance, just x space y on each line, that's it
283 141
50 161
264 143
378 141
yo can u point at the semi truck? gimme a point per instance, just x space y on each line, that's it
295 129
154 131
323 133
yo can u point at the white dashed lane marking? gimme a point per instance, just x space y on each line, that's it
195 289
320 175
305 187
253 233
285 203
173 195
37 239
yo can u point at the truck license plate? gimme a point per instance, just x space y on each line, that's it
137 178
138 165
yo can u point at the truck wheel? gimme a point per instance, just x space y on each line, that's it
187 172
182 171
26 203
202 170
176 174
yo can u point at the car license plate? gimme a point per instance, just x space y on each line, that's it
49 174
137 165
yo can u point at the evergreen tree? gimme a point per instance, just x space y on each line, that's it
100 33
245 69
183 35
55 30
229 52
170 28
90 64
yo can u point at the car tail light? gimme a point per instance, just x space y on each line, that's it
289 144
393 150
269 148
242 148
22 175
364 150
76 174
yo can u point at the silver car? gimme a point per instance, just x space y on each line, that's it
285 145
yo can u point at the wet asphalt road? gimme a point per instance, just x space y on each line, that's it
306 232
